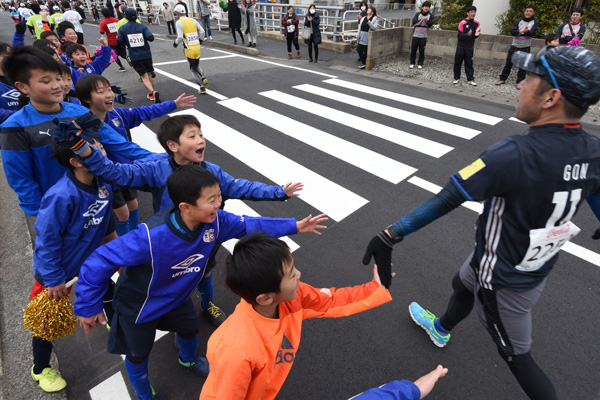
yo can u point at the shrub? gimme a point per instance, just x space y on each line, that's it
453 11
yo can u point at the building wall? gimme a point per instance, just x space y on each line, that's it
487 11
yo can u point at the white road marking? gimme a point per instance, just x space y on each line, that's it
277 64
363 125
378 165
432 106
110 389
238 207
190 84
321 193
413 118
569 247
516 120
201 59
146 138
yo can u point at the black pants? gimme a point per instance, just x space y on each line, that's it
171 25
310 44
466 55
362 53
80 37
240 32
507 67
292 38
417 43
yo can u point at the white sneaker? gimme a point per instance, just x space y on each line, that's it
420 67
210 37
411 66
204 38
472 83
455 82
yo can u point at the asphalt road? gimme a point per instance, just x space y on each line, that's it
254 131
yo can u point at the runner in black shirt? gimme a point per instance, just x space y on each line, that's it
531 186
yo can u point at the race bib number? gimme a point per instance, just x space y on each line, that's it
135 39
58 20
192 38
74 20
544 243
39 24
112 28
291 28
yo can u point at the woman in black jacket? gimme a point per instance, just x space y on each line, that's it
312 21
234 16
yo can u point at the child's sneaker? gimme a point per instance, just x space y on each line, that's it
426 320
215 314
411 66
472 83
455 82
199 365
419 67
154 396
49 380
205 82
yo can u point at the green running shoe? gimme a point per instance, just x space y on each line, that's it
426 320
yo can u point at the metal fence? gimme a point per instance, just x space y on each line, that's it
349 31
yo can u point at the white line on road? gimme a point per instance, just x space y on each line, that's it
569 247
516 120
363 125
201 59
146 138
190 84
378 165
278 64
238 207
321 193
413 118
110 389
418 102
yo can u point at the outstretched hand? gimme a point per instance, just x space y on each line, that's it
102 41
185 101
376 275
311 224
380 248
91 322
427 382
291 189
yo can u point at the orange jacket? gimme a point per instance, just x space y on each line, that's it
250 355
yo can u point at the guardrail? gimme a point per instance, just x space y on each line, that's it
350 17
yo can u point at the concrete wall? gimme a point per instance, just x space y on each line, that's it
489 49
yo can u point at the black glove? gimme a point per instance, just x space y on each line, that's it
175 44
596 234
116 89
122 98
78 133
380 248
20 28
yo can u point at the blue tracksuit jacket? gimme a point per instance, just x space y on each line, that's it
9 99
123 119
71 224
25 139
152 176
162 264
395 390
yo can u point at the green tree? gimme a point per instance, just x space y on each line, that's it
453 11
551 13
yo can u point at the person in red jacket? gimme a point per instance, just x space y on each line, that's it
109 26
252 352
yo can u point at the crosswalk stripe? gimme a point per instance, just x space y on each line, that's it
516 120
190 84
415 101
240 208
378 165
321 193
376 129
413 118
146 138
569 247
112 388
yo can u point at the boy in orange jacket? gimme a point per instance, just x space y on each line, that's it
252 352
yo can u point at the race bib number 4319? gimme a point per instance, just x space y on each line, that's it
135 39
544 243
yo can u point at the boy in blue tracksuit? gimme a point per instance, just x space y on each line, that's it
26 135
74 219
78 56
182 138
95 93
165 259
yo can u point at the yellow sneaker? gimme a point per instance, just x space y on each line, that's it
49 380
